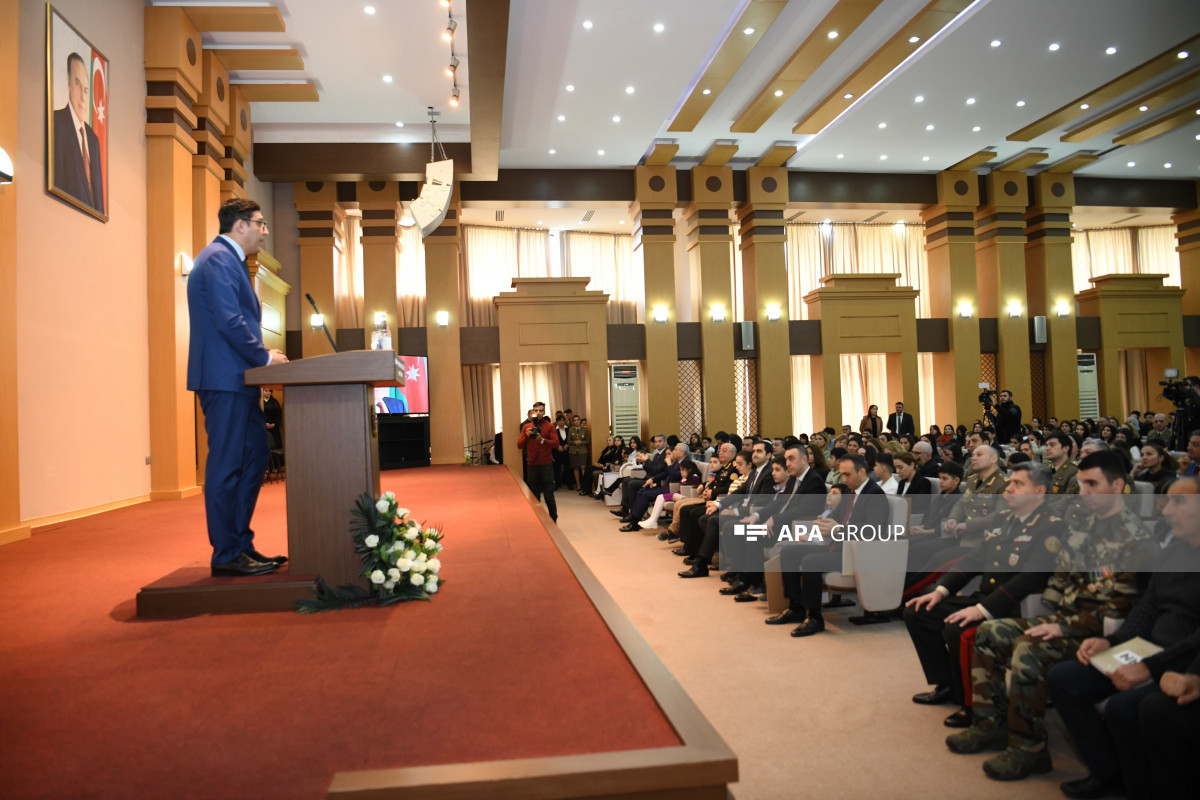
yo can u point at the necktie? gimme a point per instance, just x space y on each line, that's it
849 507
87 161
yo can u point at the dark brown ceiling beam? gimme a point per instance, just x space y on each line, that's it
294 162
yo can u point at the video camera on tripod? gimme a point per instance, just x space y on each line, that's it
987 400
1184 394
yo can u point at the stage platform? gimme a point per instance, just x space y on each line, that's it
522 679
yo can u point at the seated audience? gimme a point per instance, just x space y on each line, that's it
1158 468
689 475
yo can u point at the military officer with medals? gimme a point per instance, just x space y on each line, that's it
980 496
1013 561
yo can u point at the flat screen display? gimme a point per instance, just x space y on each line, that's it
413 396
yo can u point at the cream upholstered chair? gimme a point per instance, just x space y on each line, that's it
875 570
1143 499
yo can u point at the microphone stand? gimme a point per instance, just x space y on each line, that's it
324 327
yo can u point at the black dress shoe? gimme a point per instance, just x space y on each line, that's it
729 577
662 537
259 557
789 616
694 560
811 626
697 571
1089 788
959 719
626 519
679 551
242 565
734 588
934 697
620 512
630 527
746 597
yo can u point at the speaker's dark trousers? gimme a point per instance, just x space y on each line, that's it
238 452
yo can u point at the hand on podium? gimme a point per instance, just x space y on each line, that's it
277 357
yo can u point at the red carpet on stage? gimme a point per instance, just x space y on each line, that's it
510 660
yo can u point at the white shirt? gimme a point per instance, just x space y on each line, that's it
237 248
890 485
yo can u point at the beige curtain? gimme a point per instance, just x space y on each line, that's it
1101 252
1156 255
348 276
608 260
410 279
481 417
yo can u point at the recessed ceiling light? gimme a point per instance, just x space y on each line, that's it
919 98
883 158
659 27
368 9
1167 165
748 31
976 129
399 124
1131 163
616 119
1054 47
779 92
1143 108
995 42
1020 104
924 158
628 90
552 151
387 78
1111 51
928 127
841 155
540 222
570 87
914 39
848 96
1198 137
587 24
970 101
832 34
707 91
1084 106
562 118
599 152
1182 54
882 125
622 222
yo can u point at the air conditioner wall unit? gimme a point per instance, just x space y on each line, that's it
625 400
1089 386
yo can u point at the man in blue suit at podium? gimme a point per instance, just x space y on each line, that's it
226 340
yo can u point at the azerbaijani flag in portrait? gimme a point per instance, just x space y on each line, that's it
99 119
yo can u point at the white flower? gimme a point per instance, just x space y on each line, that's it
432 533
412 534
382 506
410 555
422 557
394 574
389 585
402 512
404 564
389 496
437 547
377 577
417 580
434 565
371 541
431 585
419 566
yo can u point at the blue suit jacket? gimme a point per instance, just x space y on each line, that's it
226 322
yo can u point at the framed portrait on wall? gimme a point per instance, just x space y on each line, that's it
76 118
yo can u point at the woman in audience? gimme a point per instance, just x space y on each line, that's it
1127 439
953 453
960 434
694 444
1158 467
872 423
908 440
946 436
1108 434
854 444
609 456
579 446
688 476
816 460
820 440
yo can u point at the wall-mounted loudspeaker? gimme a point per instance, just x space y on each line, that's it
1039 330
747 335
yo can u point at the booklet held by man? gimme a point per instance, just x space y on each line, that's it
1131 652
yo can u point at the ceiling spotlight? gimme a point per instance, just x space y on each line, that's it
1020 104
399 124
995 42
452 67
551 151
928 127
883 158
970 101
1084 106
454 96
832 34
914 39
368 9
444 3
587 24
1167 165
628 90
562 118
848 96
1054 47
659 27
919 98
616 119
976 129
599 152
707 91
841 155
779 92
882 125
570 87
448 34
1182 54
924 158
1131 163
1143 108
540 222
1111 51
387 78
748 31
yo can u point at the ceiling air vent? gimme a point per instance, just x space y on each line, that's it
587 215
500 216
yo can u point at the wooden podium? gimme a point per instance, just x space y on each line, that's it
332 444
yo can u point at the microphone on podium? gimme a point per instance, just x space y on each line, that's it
325 327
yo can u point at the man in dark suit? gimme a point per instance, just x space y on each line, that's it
900 423
804 564
652 463
76 148
656 484
226 340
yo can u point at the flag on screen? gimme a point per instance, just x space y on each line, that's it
416 384
100 112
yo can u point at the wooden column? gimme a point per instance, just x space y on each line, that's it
1049 282
1000 272
174 77
654 232
764 285
237 142
1187 238
380 205
443 292
320 239
11 528
710 241
950 243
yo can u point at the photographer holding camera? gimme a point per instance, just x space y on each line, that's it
1008 417
539 440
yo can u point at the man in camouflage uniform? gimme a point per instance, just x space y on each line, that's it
1096 578
1065 471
